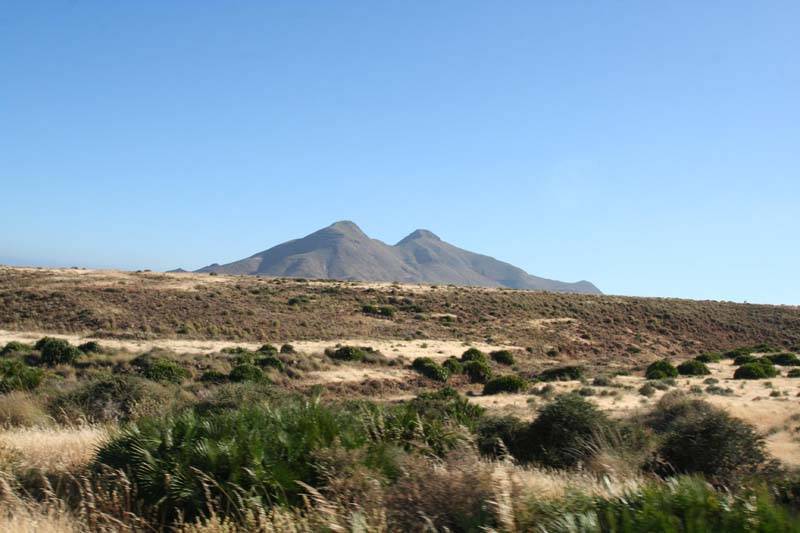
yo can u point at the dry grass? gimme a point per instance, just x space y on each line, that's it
53 449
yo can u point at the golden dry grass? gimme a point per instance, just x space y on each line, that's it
53 449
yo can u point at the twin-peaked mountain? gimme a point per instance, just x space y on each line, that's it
343 251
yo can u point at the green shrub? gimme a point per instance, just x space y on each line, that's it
503 357
745 359
478 371
693 367
268 349
647 390
57 351
559 437
430 369
453 365
288 349
112 398
384 310
562 373
709 357
660 370
16 375
91 347
271 362
784 359
509 383
602 381
473 354
760 369
499 436
245 372
213 376
15 347
348 353
160 369
793 373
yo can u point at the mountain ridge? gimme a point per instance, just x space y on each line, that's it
343 251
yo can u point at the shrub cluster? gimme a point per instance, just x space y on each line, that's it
503 357
660 370
15 347
784 359
561 373
430 369
509 383
693 367
246 372
16 375
473 354
477 370
56 351
385 311
160 369
762 368
709 357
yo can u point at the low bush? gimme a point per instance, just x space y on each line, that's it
56 352
647 390
561 373
16 375
473 354
430 369
602 381
160 369
213 376
91 347
709 357
453 365
498 436
348 353
744 359
382 310
793 373
267 349
760 369
660 370
288 349
509 383
503 357
784 359
693 367
245 372
15 347
271 361
478 371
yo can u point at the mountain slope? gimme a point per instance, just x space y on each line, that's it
343 251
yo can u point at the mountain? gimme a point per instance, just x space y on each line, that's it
343 251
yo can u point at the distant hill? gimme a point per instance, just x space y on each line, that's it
343 251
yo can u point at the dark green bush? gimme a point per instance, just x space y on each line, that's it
473 354
91 347
784 359
793 373
693 367
384 310
271 362
268 349
160 369
503 357
660 370
709 357
287 349
602 381
453 365
761 369
16 375
430 369
509 383
213 376
478 371
57 351
348 353
15 347
559 437
744 359
499 436
561 373
246 372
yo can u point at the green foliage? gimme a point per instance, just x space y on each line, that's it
503 357
784 359
793 373
430 369
760 369
271 362
660 370
647 390
560 435
349 353
453 365
709 357
91 347
478 371
561 373
287 349
473 354
16 375
15 347
268 349
509 383
498 436
246 372
745 359
160 369
383 310
56 351
693 367
213 376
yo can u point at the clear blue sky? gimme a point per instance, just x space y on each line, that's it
652 149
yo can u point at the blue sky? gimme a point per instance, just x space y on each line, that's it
652 149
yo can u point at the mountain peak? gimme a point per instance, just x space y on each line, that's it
346 227
420 234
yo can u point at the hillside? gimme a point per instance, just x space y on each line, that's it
342 251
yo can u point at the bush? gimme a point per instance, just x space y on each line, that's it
16 375
288 349
560 436
660 370
744 359
709 357
693 367
503 357
562 373
213 376
19 408
57 351
384 310
348 353
112 398
268 349
246 372
430 369
647 390
15 347
784 359
761 369
160 369
701 438
453 365
793 373
510 383
272 362
91 347
602 381
498 436
473 354
478 371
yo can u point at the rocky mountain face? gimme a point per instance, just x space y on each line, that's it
343 251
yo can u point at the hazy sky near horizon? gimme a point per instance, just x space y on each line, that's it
651 148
